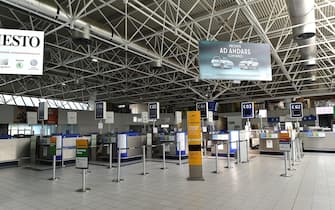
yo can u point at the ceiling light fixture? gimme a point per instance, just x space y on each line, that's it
95 60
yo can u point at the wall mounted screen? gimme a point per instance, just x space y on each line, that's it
234 61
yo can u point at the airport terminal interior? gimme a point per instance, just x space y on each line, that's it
167 104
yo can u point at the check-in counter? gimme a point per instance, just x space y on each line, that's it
13 149
318 140
269 143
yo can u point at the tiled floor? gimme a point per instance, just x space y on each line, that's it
256 185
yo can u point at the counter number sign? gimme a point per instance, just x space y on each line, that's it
153 109
203 108
247 110
296 110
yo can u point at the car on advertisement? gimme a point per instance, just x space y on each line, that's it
221 62
249 64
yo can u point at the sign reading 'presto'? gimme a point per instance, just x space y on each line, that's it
21 52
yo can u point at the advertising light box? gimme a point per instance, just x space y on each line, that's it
234 61
21 52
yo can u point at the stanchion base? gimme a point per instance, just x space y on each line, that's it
84 190
285 175
53 179
216 172
228 167
164 168
144 173
109 167
115 180
195 179
291 169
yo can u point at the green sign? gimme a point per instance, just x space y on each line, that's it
52 149
81 152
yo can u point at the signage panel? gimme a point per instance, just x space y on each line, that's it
52 148
72 118
247 110
82 153
213 106
324 110
153 109
235 61
296 110
194 145
100 110
43 111
21 52
203 108
32 118
109 118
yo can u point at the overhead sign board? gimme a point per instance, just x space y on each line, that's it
100 110
235 61
296 110
203 108
153 109
32 118
42 111
247 110
72 118
213 106
324 110
109 118
21 52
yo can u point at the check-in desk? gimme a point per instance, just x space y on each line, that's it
269 143
13 149
318 141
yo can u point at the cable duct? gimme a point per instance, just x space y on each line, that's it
302 16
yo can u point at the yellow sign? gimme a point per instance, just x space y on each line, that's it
195 158
53 140
82 143
194 138
193 126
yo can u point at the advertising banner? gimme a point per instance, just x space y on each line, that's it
234 61
296 110
21 52
247 110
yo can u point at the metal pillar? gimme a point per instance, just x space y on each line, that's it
53 178
285 174
164 163
216 158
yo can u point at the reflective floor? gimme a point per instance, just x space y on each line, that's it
255 185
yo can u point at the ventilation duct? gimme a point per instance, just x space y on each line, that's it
82 37
302 16
308 53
